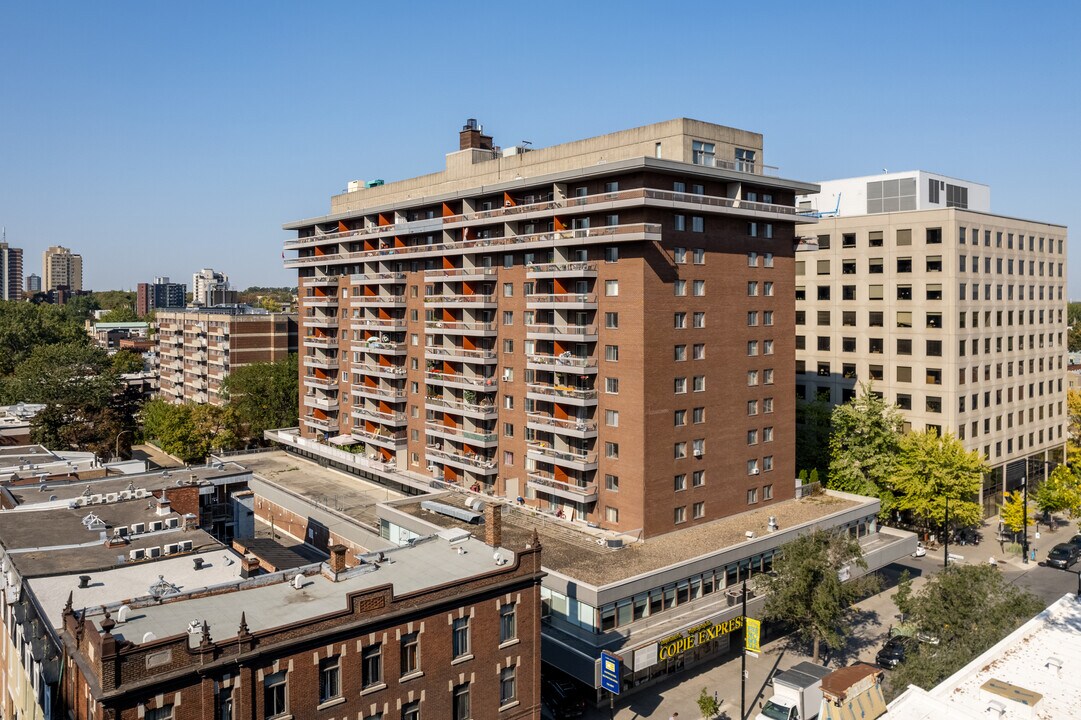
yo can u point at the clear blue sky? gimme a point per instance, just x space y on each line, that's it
158 138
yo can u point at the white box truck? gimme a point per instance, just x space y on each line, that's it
797 693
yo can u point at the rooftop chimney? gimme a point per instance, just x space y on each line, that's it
337 558
472 136
493 524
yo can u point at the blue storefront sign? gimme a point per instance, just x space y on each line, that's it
611 672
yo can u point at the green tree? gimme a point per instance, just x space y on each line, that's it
1073 440
968 608
25 326
708 705
120 314
189 431
264 396
1060 492
813 435
1012 513
931 469
864 445
1073 319
114 299
126 361
80 308
806 589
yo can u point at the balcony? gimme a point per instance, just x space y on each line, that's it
468 301
330 321
325 424
324 383
577 459
551 331
386 394
318 341
381 347
473 462
459 354
320 362
393 372
562 270
489 439
387 324
460 328
364 300
321 281
548 485
567 301
323 403
564 426
561 394
381 437
378 278
562 363
455 274
397 418
320 301
482 410
461 381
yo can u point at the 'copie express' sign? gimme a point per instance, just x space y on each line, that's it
696 636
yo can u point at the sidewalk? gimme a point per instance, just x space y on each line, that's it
874 616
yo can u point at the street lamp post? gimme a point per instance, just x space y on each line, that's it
116 449
743 660
1024 520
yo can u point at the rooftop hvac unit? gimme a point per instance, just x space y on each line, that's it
172 548
156 526
153 552
112 497
172 522
186 545
137 554
137 528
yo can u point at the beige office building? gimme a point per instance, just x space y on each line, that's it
61 268
956 315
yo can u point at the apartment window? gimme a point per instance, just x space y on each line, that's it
934 348
934 235
611 320
698 478
904 292
611 385
508 346
848 344
904 319
904 374
679 482
611 288
767 260
680 418
508 622
801 292
703 153
680 353
904 265
752 407
611 418
681 514
460 638
611 221
848 292
934 320
330 685
611 450
752 496
698 510
874 292
680 385
275 695
823 292
904 237
934 263
611 254
698 256
767 317
699 319
508 317
460 704
874 238
767 347
679 450
823 267
679 288
680 254
507 679
162 713
611 353
904 346
680 320
767 434
752 259
371 665
934 291
823 369
934 376
767 289
934 404
752 378
698 223
508 289
904 401
823 343
699 415
698 288
679 187
611 514
410 653
752 437
611 187
680 223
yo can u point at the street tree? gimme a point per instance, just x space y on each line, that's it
813 436
708 705
189 431
806 589
967 609
1012 512
932 470
864 444
25 326
264 396
1060 492
1073 439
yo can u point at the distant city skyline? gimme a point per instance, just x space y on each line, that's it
157 140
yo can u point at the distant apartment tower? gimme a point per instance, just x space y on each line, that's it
11 272
33 284
161 294
196 349
210 287
957 315
600 328
60 268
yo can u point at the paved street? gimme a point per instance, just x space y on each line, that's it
875 615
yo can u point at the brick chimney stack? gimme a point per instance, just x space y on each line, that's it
472 136
493 524
337 558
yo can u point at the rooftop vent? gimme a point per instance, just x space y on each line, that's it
84 581
462 514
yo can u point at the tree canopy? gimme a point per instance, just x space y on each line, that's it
864 444
1012 512
806 589
813 436
968 608
189 431
264 395
25 326
1060 492
931 469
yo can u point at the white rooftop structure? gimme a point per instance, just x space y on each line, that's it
1031 673
894 192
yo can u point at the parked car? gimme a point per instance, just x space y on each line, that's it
893 652
1075 541
562 698
1063 555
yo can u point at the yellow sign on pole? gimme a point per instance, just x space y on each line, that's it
753 635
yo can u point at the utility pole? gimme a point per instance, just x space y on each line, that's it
743 661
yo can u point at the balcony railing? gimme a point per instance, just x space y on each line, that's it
379 393
312 381
380 370
377 277
320 301
459 273
559 391
377 300
551 329
576 456
328 363
480 462
562 423
321 423
320 341
479 382
577 269
580 493
381 436
542 298
321 281
438 352
489 437
458 299
384 417
380 323
455 327
456 406
563 360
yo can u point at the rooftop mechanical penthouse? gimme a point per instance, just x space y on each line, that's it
601 328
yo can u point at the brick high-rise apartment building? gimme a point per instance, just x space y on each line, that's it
602 328
196 349
11 272
61 268
956 314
